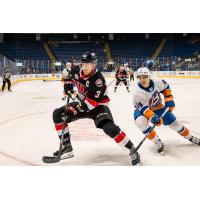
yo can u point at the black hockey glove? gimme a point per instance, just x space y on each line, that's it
82 107
74 108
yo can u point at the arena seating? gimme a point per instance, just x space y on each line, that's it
137 48
24 50
64 51
178 46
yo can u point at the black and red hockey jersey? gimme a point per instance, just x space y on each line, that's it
121 74
92 90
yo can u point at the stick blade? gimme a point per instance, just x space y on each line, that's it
50 159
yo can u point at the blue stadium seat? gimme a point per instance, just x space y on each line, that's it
65 51
179 47
24 50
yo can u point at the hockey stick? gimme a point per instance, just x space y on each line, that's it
50 80
111 82
145 137
55 159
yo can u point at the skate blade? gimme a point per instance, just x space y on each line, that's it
138 164
67 156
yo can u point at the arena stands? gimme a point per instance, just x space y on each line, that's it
64 51
28 50
180 47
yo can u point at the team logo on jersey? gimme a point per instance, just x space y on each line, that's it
81 88
155 99
87 83
99 83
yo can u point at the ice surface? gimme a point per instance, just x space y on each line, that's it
27 131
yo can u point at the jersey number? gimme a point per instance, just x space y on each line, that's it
97 94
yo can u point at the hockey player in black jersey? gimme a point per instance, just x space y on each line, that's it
93 104
67 80
69 74
75 70
121 76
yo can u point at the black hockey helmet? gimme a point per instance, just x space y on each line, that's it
88 57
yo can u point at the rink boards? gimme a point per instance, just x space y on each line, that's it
171 74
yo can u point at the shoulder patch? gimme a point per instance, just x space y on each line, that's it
99 83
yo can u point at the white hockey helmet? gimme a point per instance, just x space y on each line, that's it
143 71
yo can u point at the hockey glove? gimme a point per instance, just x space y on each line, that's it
169 102
82 107
71 110
156 120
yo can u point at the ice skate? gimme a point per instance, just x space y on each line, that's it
135 157
195 140
67 151
160 147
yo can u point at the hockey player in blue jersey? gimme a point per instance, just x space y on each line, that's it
149 106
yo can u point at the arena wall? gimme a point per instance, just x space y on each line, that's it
166 74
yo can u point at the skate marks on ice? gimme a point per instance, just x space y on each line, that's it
178 153
45 97
21 117
92 147
12 160
99 160
84 129
97 156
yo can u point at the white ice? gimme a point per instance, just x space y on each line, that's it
27 132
